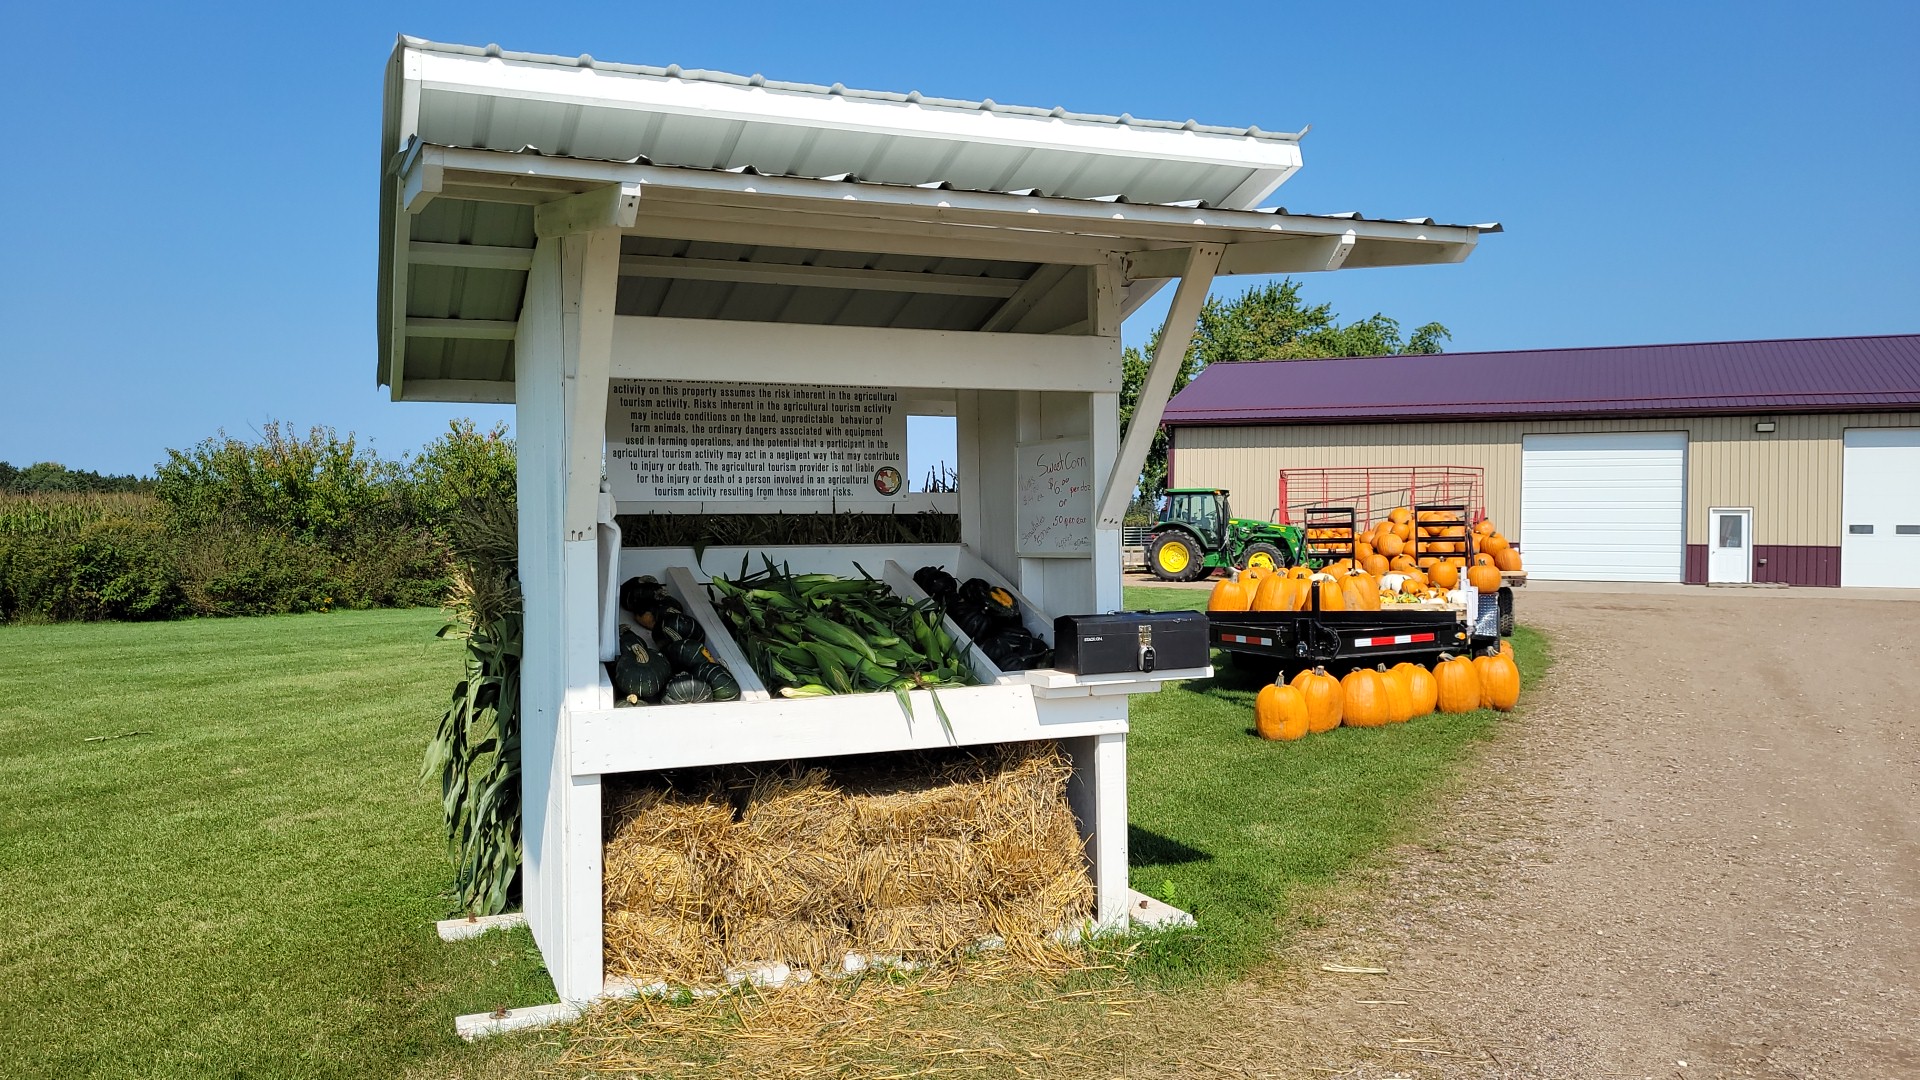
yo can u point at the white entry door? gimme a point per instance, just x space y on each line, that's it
1604 505
1880 507
1730 546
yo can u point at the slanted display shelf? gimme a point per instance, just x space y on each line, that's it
1006 707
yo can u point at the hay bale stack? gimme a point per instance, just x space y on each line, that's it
920 856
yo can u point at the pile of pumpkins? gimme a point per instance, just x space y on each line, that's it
1383 568
1373 697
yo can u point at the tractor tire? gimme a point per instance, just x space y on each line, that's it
1176 556
1276 557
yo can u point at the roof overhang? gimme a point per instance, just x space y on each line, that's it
1013 243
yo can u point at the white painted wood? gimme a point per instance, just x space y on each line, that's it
474 925
607 541
610 206
1729 545
1052 682
812 232
477 329
459 391
848 355
420 181
1108 551
1879 490
479 1025
1195 280
1154 914
1294 255
816 277
693 597
1098 793
471 256
1604 506
683 736
1041 282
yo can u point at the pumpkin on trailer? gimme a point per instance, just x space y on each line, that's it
1483 527
1484 577
1390 545
1444 574
1399 698
1402 564
1360 591
1374 564
1507 559
1327 589
1323 696
1364 699
1499 680
1229 595
1459 684
1280 712
1493 544
1422 690
1267 595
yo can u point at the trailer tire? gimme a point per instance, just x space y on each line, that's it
1505 599
1277 557
1175 555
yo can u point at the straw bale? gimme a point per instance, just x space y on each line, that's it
921 931
649 948
916 872
818 946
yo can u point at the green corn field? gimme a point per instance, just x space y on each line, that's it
62 514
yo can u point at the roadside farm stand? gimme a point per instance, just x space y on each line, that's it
728 292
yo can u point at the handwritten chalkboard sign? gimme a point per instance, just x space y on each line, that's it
1056 499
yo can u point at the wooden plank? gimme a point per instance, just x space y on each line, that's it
472 256
816 277
656 348
1195 280
692 596
1043 281
483 329
462 391
611 206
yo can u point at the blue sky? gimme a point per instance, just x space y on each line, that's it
190 191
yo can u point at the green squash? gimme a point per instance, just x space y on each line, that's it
686 689
725 686
678 624
639 671
687 654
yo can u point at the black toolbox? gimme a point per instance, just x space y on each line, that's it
1130 641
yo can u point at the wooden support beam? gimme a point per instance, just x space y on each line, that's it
818 277
462 391
1043 281
612 206
483 329
1195 279
1294 255
471 256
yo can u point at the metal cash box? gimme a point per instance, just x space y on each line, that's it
1144 641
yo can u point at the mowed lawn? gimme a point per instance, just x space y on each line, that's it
248 888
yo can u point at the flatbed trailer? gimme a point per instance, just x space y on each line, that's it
1342 640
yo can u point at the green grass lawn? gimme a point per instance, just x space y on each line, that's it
249 889
1238 830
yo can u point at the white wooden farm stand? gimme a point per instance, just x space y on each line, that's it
552 224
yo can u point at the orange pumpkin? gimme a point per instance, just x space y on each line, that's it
1399 515
1327 591
1324 698
1493 544
1507 559
1399 697
1280 712
1300 571
1229 595
1402 563
1483 559
1364 699
1484 577
1499 680
1268 595
1361 549
1374 564
1422 690
1361 591
1445 575
1458 683
1337 568
1390 545
1483 527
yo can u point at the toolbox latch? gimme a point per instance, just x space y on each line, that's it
1146 647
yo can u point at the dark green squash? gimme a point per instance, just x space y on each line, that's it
639 671
678 624
725 686
686 689
687 654
638 592
649 613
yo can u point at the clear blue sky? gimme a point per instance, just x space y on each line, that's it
189 193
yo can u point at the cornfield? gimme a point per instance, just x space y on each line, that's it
64 513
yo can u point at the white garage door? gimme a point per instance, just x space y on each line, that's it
1604 506
1880 500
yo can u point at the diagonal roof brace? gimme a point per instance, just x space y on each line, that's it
1182 316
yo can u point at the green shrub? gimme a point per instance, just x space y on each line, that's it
86 557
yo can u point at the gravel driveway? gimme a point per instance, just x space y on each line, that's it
1696 854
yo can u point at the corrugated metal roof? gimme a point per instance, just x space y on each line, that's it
1791 375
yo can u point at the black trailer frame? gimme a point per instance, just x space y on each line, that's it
1348 639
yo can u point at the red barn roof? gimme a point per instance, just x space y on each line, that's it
1851 374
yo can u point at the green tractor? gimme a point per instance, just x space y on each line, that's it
1197 534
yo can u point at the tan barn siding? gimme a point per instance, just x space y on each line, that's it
1790 476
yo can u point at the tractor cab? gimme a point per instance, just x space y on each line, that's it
1204 510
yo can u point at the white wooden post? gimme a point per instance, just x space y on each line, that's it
562 350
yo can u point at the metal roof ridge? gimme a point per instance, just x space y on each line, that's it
913 97
1554 349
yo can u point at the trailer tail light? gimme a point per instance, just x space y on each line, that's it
1245 639
1395 639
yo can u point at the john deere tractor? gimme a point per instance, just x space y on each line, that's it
1197 534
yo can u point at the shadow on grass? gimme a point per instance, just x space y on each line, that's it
1148 848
